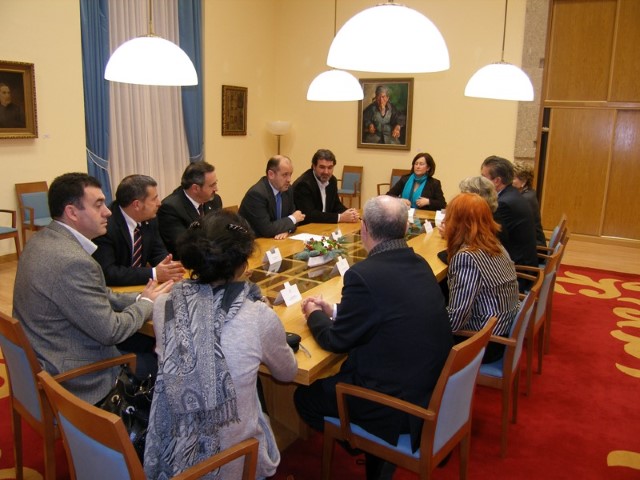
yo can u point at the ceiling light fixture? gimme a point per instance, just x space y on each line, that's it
501 80
151 60
417 45
335 85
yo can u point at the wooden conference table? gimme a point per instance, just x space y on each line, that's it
317 363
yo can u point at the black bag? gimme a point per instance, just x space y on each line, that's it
130 399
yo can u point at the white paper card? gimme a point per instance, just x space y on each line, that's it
290 294
274 267
272 256
342 266
305 237
428 228
439 217
336 234
411 213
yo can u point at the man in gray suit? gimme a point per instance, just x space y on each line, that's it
60 297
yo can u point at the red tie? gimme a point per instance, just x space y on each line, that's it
136 258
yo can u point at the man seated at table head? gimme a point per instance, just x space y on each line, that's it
518 234
69 315
392 324
194 198
268 206
132 251
315 192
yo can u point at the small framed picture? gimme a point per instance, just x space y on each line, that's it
17 100
384 115
234 110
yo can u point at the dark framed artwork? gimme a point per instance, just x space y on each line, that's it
384 115
234 110
17 100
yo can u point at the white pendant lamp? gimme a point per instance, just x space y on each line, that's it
335 85
151 60
501 80
389 38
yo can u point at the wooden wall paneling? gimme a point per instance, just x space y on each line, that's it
622 200
581 42
625 72
577 167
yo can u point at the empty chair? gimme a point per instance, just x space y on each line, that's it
12 231
98 446
504 374
34 207
351 184
447 420
396 174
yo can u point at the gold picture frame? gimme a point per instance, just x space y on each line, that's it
234 110
392 130
18 117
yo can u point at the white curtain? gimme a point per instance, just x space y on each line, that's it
147 130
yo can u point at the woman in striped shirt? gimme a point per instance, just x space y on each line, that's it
482 277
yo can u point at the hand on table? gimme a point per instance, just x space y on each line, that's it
153 290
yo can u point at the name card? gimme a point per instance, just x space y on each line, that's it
439 217
272 256
411 213
341 266
336 234
428 228
289 295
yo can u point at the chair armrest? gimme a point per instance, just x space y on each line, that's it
344 389
129 359
247 447
13 216
509 342
31 213
542 249
523 269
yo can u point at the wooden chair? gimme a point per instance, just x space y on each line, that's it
504 374
34 207
351 184
558 234
96 441
26 397
396 174
231 208
447 420
12 231
541 318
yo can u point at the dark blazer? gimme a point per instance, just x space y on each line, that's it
532 199
69 315
176 214
393 324
258 207
114 250
518 225
432 191
306 195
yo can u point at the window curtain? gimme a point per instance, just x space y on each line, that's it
147 127
190 21
94 16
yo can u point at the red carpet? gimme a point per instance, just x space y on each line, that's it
582 420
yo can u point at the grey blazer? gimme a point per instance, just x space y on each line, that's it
69 315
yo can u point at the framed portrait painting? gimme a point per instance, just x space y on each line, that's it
17 100
234 110
384 115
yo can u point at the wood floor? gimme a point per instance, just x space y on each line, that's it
579 252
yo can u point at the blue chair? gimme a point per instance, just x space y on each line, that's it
351 184
98 446
12 231
34 207
396 174
504 374
447 420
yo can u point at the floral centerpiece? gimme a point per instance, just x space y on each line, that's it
325 247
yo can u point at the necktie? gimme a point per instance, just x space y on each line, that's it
278 205
136 258
201 210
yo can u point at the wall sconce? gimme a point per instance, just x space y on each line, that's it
278 128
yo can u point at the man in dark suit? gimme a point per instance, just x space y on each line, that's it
268 206
132 251
315 192
518 234
391 322
69 315
194 198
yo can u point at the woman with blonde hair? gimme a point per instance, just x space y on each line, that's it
482 278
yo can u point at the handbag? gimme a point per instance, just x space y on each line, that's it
130 399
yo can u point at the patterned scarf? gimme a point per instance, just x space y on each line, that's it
409 193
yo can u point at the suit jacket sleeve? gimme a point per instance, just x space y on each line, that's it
115 265
433 191
396 190
259 212
154 248
307 197
171 224
464 283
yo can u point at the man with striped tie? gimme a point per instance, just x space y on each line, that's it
132 251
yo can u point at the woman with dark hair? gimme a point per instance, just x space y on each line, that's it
212 333
522 180
482 277
419 189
